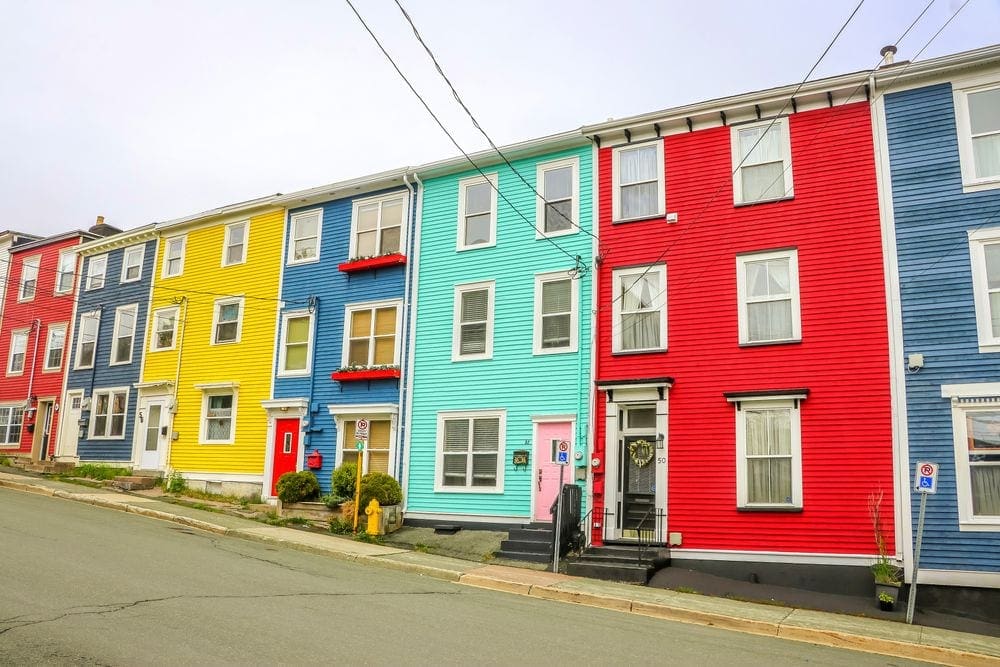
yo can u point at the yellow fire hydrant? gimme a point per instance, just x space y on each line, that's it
374 512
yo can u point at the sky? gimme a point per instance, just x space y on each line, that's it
144 111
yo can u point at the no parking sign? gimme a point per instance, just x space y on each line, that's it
926 477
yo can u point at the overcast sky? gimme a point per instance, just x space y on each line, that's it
144 111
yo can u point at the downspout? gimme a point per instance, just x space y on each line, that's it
403 365
93 366
414 271
177 380
36 324
594 351
307 428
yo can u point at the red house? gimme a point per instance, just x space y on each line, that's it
35 332
742 406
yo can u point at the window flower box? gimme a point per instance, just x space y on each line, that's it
357 264
351 374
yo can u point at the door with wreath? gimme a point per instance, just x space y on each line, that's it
639 517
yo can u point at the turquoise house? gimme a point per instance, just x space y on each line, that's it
500 352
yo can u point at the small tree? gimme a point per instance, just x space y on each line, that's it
883 569
382 487
295 487
344 479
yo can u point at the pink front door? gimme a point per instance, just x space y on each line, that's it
548 435
286 450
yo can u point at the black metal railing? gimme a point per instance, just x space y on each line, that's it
568 527
646 536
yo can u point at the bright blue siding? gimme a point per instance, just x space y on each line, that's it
932 217
103 375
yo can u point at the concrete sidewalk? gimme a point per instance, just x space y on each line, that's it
864 634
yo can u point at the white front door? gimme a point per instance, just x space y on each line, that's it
151 429
69 424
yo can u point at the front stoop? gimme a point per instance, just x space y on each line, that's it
618 563
531 542
134 482
49 467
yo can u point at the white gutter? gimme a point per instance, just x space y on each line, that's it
403 362
412 334
36 324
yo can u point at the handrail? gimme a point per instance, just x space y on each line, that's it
639 531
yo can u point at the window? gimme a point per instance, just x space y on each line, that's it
296 336
18 348
371 338
472 335
470 452
375 455
638 178
54 346
975 411
556 325
124 336
173 256
228 324
86 345
376 226
97 269
108 420
218 415
306 231
11 418
559 212
978 121
762 162
29 278
132 263
639 309
768 292
477 212
164 329
984 253
768 451
64 273
234 249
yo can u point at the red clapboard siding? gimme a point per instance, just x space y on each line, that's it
833 221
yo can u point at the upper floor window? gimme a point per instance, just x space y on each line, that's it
556 297
86 343
984 253
18 349
228 323
132 263
55 343
477 212
164 329
558 209
29 278
768 451
306 229
97 269
173 256
762 162
296 336
65 272
978 122
376 226
234 248
767 286
371 339
472 335
124 334
638 181
639 309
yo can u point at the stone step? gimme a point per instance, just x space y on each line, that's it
530 557
155 474
630 574
134 482
527 546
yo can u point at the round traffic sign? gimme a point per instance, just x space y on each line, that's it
361 425
563 446
927 470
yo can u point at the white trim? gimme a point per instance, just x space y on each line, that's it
221 477
293 219
219 303
574 313
456 332
574 164
207 391
154 333
10 354
389 415
442 417
970 578
632 274
550 419
371 306
139 249
94 315
773 557
282 341
66 254
361 409
110 391
979 239
960 92
469 518
786 160
380 200
226 242
742 259
463 185
795 427
182 238
616 188
92 276
209 386
34 263
134 307
48 345
280 407
975 390
967 520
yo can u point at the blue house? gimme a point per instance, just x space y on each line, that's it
940 163
100 420
340 361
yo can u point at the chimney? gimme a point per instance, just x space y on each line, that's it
100 218
888 53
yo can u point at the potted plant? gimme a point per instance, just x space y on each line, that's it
886 573
886 602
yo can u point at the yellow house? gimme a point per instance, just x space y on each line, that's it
210 346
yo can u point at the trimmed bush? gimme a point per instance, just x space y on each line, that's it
381 487
343 480
296 487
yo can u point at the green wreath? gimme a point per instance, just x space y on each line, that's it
641 452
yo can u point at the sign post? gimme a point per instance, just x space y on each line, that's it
562 458
926 484
360 438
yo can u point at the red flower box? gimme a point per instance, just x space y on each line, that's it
355 265
366 374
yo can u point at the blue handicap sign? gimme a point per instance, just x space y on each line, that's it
926 483
562 457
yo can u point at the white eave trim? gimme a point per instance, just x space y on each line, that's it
257 206
362 409
344 189
902 72
217 385
119 240
285 404
489 158
153 384
977 390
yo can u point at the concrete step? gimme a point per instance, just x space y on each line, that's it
134 482
527 546
530 534
530 557
155 474
630 574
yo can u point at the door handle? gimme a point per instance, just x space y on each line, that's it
539 479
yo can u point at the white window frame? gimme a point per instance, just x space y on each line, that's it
373 412
965 398
129 261
16 334
227 242
616 185
153 335
786 161
30 265
456 334
93 276
293 221
168 255
978 240
95 316
961 92
372 306
630 274
111 391
574 313
442 417
49 337
134 309
790 402
792 255
66 257
5 430
574 164
283 349
207 393
219 303
463 185
381 201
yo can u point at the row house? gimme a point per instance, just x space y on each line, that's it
9 238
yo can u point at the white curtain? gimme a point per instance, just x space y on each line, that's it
637 176
769 456
985 490
984 121
987 152
769 307
762 170
640 319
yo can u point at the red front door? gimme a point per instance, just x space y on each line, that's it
286 450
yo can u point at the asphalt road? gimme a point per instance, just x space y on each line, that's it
80 585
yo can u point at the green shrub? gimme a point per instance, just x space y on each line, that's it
332 500
4 461
340 526
295 487
175 483
344 479
381 487
97 471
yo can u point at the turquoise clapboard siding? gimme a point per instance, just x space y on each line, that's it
932 219
514 380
